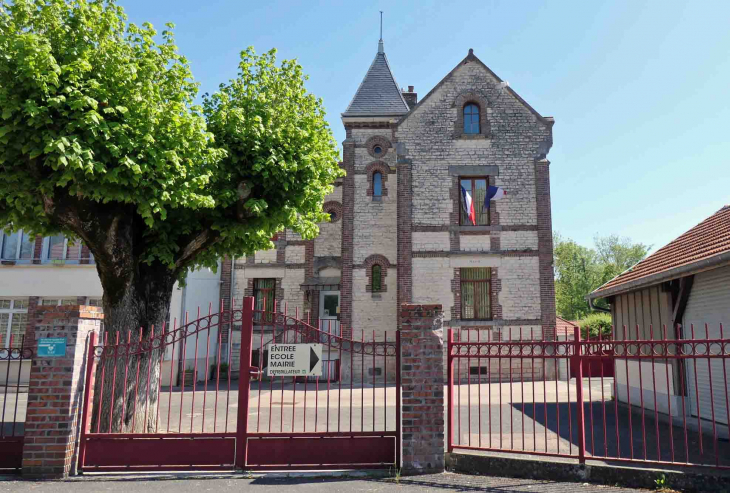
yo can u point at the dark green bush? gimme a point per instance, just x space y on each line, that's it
595 323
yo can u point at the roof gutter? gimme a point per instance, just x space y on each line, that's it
667 275
597 308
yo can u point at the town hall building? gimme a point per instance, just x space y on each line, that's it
402 229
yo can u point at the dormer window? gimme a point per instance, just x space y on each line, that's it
471 119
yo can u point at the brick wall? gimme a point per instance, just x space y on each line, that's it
422 384
55 392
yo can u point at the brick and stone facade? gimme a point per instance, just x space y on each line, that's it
410 226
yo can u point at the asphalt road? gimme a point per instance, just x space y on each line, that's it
446 482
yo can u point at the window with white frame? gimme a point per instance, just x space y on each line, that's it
59 301
16 246
94 302
13 320
58 249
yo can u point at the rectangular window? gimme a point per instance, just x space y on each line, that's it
56 248
475 293
58 302
18 245
474 190
264 291
98 302
13 321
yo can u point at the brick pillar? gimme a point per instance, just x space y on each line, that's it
422 384
55 392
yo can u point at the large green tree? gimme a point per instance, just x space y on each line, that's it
579 270
101 140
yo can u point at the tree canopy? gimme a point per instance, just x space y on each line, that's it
98 114
579 270
101 139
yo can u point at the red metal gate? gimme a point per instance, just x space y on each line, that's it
194 412
510 395
14 367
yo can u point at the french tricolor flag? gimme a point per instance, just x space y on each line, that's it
493 193
468 205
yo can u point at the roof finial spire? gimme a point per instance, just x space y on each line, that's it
380 43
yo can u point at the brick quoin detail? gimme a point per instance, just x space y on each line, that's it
422 377
545 247
225 296
384 170
55 392
404 220
455 196
368 264
348 219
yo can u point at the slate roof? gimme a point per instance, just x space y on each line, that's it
379 93
708 239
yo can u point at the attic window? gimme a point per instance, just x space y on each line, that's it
471 116
471 119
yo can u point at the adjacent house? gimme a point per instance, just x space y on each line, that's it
412 222
37 272
681 291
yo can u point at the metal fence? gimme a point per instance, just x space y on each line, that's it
655 400
200 397
14 366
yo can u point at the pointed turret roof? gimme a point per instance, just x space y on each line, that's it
379 94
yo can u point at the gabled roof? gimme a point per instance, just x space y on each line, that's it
564 327
471 57
379 94
700 247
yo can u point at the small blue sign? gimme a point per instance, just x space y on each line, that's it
52 347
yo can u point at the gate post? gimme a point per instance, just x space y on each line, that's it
422 377
578 358
88 399
55 390
244 378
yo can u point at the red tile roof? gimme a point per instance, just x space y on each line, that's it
564 327
709 238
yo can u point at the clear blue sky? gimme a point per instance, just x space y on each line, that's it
640 91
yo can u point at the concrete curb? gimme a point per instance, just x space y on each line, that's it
151 476
689 481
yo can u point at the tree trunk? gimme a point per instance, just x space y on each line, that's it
128 373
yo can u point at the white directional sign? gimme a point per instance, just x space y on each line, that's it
295 360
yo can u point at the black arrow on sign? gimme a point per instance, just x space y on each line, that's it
313 359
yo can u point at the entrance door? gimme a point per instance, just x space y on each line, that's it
329 311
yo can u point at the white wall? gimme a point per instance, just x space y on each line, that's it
50 280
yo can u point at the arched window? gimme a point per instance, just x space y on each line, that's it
377 278
471 118
377 184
